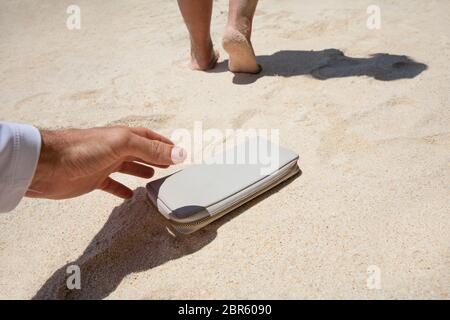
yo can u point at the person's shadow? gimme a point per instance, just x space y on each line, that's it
135 238
329 63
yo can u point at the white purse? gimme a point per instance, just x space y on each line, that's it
196 196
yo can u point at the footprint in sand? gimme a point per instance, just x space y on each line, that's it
151 121
87 94
31 101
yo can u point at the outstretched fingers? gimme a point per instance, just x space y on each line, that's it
116 188
136 169
132 168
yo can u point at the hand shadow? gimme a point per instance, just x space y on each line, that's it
329 63
134 239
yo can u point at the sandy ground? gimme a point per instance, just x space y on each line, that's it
373 134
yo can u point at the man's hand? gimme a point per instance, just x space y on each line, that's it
76 161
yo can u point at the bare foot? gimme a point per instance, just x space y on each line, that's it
204 59
239 47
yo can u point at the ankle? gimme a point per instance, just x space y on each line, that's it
203 57
241 24
201 44
201 51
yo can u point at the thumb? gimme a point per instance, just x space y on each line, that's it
155 152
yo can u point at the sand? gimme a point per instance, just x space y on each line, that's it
373 134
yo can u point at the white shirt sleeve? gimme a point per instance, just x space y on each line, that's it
20 146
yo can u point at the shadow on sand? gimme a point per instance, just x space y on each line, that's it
330 63
134 239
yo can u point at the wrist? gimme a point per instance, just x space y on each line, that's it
46 162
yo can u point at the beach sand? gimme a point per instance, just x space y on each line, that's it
373 134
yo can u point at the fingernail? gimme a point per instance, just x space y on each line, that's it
178 155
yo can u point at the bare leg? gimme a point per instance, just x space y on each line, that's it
236 40
197 16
